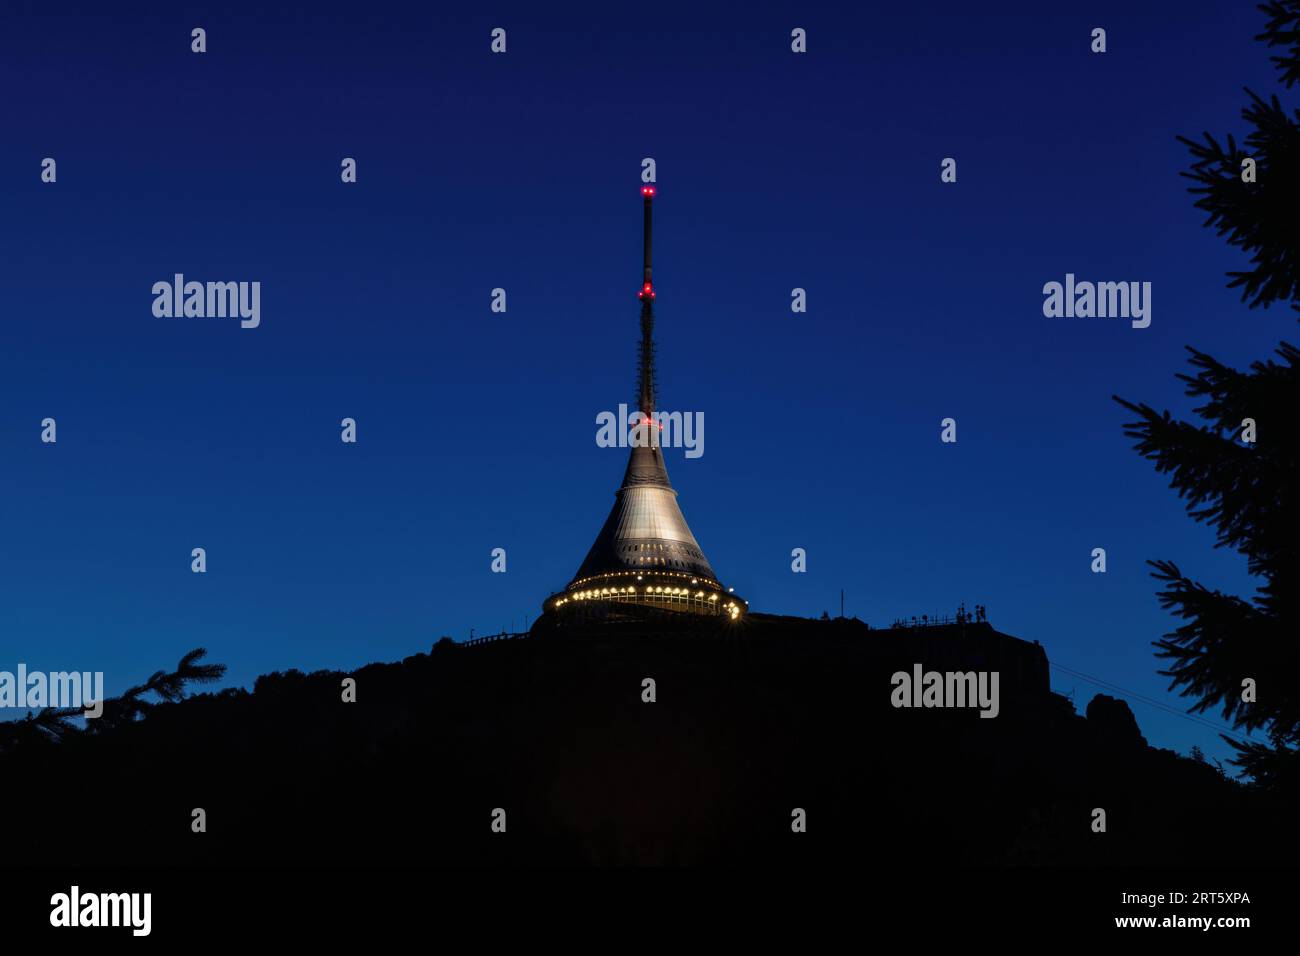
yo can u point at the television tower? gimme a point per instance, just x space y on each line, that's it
645 558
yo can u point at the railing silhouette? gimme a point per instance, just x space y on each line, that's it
963 616
494 638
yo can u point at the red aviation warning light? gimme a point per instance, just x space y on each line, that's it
647 190
646 290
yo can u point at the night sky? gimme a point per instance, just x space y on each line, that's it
522 171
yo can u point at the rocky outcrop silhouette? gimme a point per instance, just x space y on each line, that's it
1113 722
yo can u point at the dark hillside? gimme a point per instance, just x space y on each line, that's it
750 722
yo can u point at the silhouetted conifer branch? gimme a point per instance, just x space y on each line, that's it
1224 639
1247 494
1260 216
1283 29
55 724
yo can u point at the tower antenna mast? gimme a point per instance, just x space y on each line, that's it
645 388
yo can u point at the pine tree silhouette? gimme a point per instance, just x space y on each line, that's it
1245 491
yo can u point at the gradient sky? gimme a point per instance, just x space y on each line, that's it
476 430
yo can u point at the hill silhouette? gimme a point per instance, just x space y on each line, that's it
750 721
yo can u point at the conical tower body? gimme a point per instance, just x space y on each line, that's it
645 556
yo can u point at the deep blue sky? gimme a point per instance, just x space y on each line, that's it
522 171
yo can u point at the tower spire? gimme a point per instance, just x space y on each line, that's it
649 193
646 463
645 389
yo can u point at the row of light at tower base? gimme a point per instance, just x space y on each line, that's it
656 594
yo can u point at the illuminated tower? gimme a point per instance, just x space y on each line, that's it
645 559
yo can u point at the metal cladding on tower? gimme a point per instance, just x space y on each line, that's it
645 560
